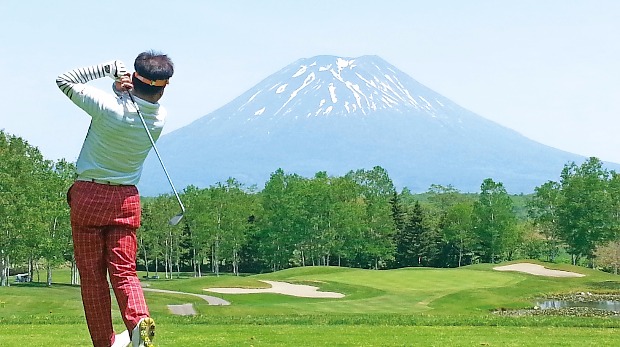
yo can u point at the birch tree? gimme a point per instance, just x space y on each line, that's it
494 220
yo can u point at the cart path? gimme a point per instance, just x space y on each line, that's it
212 300
182 310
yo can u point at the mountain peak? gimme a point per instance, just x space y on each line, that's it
326 85
337 114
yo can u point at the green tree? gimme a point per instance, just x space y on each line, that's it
444 197
56 245
24 207
277 226
157 240
399 214
408 240
494 221
614 193
376 190
234 208
453 211
458 229
318 210
543 211
348 215
586 214
199 246
153 232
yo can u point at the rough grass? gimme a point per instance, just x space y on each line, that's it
405 307
325 336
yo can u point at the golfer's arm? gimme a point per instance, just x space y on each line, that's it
72 82
90 99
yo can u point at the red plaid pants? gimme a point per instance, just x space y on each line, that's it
104 219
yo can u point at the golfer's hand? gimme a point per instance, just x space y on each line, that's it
115 69
124 84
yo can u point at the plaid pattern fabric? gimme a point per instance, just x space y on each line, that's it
104 219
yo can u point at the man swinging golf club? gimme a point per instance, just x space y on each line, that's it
104 200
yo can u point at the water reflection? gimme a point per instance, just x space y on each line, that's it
608 305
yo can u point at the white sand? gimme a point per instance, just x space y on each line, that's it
537 270
283 288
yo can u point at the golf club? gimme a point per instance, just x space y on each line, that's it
176 219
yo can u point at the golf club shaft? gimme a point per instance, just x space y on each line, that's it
146 128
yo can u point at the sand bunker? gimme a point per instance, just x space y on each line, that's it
283 288
537 270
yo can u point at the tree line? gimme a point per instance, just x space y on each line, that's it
35 231
355 220
360 220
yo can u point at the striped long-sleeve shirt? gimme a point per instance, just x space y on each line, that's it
116 144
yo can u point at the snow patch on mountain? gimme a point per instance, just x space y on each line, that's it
344 86
259 112
300 72
281 88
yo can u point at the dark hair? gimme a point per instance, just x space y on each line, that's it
154 66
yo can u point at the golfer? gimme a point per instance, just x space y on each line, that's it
104 200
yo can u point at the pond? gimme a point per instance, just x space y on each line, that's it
608 305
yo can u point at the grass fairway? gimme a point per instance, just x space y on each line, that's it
405 307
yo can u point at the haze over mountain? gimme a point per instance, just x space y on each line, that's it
337 114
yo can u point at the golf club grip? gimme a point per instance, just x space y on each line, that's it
146 128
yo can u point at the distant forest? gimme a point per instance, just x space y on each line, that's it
356 220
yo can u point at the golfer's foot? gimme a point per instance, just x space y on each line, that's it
122 339
143 334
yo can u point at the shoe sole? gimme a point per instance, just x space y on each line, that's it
147 331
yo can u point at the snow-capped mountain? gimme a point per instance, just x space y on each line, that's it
338 114
326 85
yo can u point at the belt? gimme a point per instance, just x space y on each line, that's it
94 180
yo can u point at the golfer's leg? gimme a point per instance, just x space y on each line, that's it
89 248
122 247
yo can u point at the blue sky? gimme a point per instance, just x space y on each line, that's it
549 69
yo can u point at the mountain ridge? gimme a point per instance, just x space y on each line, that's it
335 114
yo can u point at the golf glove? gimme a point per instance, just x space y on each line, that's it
115 69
